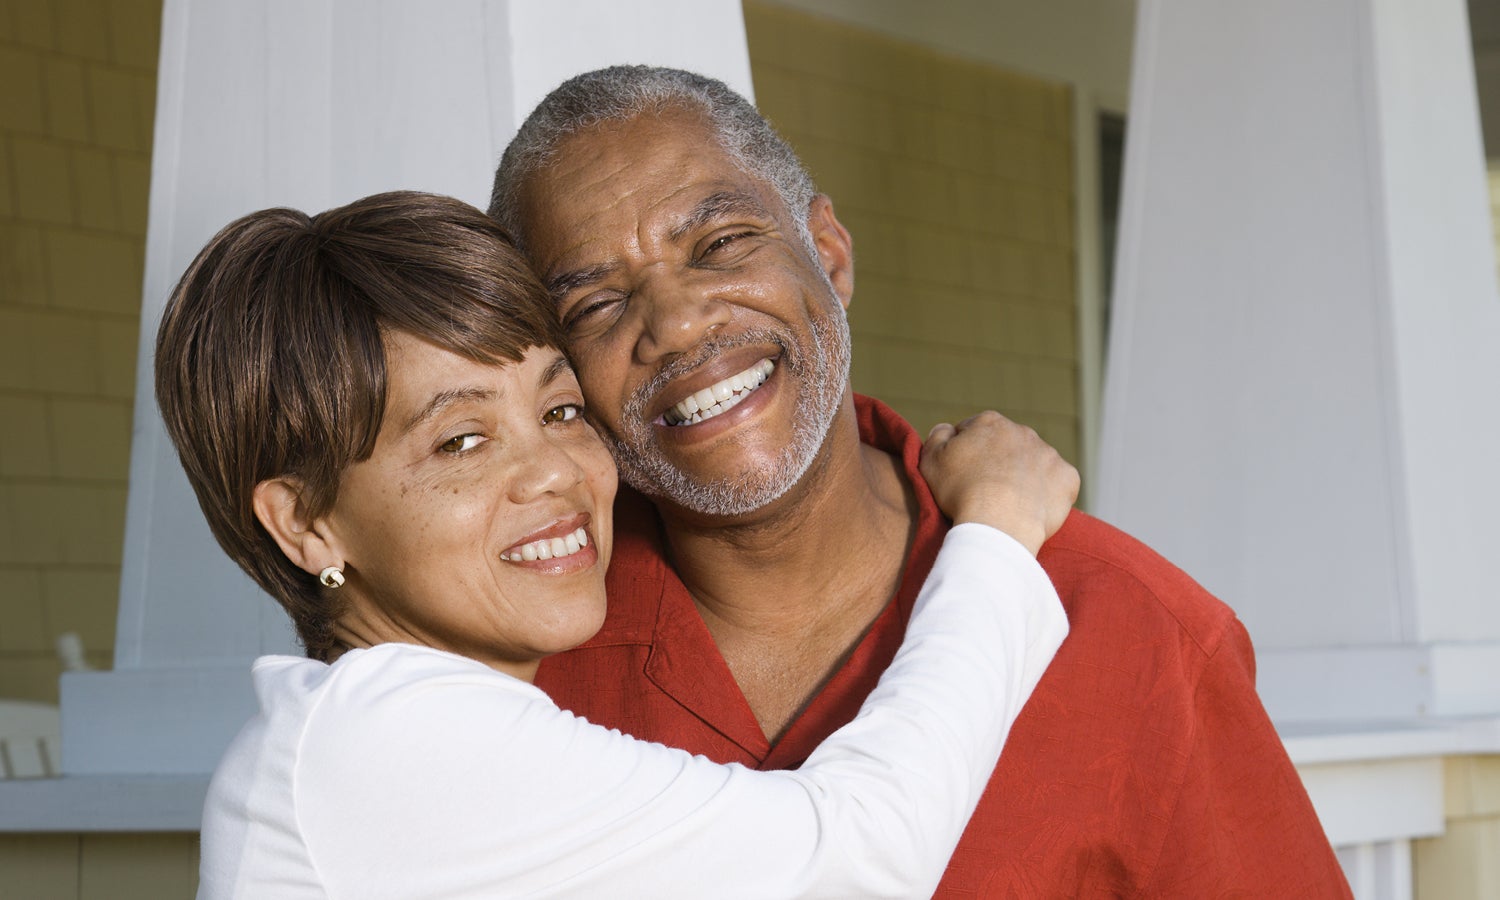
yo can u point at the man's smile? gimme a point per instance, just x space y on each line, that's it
719 397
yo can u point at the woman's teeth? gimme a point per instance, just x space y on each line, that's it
549 548
721 397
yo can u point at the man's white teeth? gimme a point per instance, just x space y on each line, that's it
549 548
721 397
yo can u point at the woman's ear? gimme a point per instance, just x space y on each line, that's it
834 245
278 504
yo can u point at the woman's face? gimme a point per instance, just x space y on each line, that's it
481 523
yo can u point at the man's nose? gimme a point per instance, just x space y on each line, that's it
677 315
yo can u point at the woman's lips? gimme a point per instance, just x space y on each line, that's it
562 545
543 549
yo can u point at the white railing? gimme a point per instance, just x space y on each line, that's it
29 735
1377 786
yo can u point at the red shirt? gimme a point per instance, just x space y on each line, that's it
1142 766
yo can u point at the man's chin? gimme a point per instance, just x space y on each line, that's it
720 498
729 488
739 474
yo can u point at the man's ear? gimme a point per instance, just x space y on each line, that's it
834 245
278 504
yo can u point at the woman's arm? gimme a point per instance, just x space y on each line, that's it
433 774
426 772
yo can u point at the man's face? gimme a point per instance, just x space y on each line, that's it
710 339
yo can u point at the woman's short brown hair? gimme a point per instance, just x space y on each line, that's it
270 359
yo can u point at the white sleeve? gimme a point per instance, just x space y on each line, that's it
462 783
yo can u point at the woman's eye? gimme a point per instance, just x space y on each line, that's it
565 413
461 443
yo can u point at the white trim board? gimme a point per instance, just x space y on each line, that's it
1384 682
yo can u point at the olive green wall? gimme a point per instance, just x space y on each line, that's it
98 866
79 82
956 180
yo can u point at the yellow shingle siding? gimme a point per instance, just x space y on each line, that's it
77 89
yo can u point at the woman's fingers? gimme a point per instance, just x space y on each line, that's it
992 470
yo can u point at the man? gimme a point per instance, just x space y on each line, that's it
764 572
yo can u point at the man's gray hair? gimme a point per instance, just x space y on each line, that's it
621 93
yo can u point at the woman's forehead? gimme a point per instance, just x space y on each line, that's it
416 365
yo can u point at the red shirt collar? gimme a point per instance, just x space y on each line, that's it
649 605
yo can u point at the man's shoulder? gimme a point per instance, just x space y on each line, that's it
1111 584
1110 580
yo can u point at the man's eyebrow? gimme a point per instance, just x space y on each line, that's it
560 284
444 399
718 205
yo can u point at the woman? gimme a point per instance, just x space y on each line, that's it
373 410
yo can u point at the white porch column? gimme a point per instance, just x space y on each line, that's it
1300 405
310 103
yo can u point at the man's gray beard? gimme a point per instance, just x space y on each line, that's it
826 373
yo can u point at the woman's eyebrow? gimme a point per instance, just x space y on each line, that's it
718 205
444 399
556 370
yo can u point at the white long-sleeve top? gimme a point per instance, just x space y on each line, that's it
404 771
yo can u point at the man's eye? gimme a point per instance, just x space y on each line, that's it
565 413
723 241
461 443
590 308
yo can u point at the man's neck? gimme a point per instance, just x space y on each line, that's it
789 591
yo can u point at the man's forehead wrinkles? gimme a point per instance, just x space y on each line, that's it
632 223
617 202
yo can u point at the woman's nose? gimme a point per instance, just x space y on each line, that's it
545 467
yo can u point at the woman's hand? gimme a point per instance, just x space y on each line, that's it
995 472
